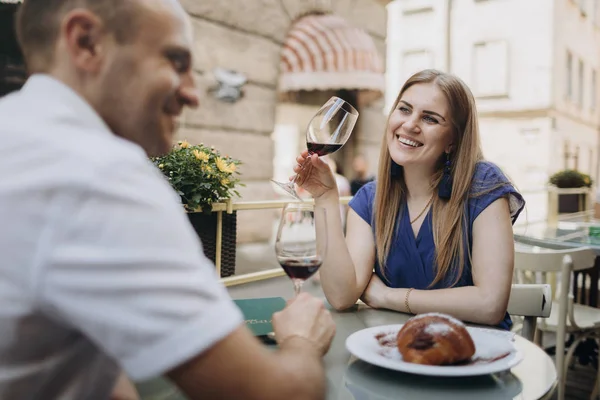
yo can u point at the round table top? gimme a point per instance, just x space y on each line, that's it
352 379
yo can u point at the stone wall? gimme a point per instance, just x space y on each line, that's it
247 36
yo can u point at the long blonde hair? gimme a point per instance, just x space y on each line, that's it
449 216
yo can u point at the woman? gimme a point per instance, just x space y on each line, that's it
436 226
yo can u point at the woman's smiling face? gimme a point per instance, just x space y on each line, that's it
420 128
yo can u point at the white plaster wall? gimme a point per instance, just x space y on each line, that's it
522 149
526 26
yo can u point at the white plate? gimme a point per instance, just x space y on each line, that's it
365 346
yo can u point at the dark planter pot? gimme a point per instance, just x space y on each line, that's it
205 226
569 203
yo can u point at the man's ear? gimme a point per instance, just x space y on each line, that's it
83 33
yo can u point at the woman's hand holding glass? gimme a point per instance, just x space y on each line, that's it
314 175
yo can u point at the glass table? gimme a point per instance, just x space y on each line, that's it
351 379
570 231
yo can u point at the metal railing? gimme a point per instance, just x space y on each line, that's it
229 207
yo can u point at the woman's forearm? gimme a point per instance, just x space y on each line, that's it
338 275
468 303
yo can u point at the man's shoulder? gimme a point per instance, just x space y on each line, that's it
73 149
56 132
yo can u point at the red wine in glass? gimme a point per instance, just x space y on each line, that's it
300 268
322 149
301 241
327 132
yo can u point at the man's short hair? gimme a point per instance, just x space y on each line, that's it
38 25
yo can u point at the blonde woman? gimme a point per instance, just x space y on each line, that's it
433 233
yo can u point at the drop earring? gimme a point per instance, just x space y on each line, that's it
445 188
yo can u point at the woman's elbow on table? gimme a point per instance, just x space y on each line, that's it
341 304
492 313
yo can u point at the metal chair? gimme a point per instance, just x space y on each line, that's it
530 302
566 317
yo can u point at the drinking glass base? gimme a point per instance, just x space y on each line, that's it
289 188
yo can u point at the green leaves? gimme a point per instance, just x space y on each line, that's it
199 174
570 178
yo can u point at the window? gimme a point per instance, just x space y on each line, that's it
580 75
415 61
569 77
593 90
490 69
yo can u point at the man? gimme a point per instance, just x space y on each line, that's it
100 268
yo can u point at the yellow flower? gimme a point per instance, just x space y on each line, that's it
222 165
206 168
161 166
225 182
232 167
586 180
200 155
184 144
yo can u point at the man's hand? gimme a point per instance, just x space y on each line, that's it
305 317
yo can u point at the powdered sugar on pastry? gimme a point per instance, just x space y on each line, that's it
438 329
445 316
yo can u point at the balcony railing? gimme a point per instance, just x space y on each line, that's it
229 207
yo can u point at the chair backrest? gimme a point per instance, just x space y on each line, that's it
537 259
558 262
585 285
530 302
531 261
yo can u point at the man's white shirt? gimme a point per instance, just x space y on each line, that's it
99 267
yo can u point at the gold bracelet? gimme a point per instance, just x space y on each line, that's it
406 300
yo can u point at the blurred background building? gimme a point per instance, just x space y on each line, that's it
265 66
286 57
533 67
12 69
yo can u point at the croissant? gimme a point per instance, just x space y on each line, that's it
435 339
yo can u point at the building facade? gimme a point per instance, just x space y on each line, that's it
249 37
239 48
533 67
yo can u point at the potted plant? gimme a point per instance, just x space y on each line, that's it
202 176
570 179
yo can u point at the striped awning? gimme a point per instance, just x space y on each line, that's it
324 52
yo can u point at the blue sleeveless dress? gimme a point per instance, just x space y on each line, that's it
410 262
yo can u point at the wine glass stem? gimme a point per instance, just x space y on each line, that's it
302 166
297 287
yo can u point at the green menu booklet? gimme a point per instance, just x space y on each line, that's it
258 313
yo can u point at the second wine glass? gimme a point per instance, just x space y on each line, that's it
301 242
326 133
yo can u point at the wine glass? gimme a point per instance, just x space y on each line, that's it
327 132
301 241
